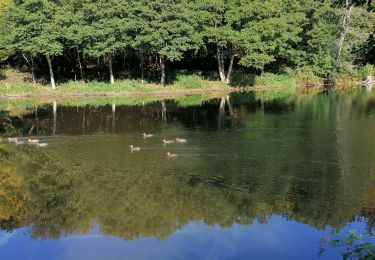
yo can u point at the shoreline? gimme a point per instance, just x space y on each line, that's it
161 93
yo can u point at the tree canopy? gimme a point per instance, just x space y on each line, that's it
325 36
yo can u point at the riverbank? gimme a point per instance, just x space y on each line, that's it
17 85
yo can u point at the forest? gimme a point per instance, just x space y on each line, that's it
147 40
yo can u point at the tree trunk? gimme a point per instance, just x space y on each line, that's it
80 65
262 71
142 68
230 69
32 69
111 77
220 61
164 111
162 66
229 106
54 117
345 28
31 65
53 84
113 118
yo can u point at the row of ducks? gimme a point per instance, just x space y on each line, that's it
35 142
165 142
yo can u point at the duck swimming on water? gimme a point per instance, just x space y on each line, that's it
33 141
171 155
12 140
168 141
134 148
180 140
147 135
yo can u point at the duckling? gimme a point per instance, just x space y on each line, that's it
180 140
171 155
134 148
147 135
42 144
168 141
33 141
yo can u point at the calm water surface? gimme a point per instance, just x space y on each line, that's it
257 179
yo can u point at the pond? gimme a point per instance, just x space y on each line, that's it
258 178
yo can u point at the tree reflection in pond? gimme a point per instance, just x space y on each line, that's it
309 159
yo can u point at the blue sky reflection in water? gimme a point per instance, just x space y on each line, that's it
278 239
266 181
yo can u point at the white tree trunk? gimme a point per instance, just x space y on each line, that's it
142 68
54 117
162 67
230 69
80 65
31 64
113 118
53 84
111 77
164 110
220 61
345 28
32 69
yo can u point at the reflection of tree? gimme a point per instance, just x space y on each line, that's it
13 197
70 187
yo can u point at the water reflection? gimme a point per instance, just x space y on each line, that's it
305 159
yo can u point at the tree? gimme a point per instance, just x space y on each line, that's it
166 28
270 31
73 24
105 29
348 6
3 53
218 29
31 27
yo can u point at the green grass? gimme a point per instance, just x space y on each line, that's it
276 80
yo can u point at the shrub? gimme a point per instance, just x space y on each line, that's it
243 78
306 78
368 70
189 81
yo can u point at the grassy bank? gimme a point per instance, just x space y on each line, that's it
15 84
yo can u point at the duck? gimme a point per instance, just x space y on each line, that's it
33 141
147 135
19 142
171 155
168 141
134 148
12 140
180 140
42 144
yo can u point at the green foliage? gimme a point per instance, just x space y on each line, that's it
165 28
306 77
270 30
189 81
368 70
270 79
33 27
354 247
263 35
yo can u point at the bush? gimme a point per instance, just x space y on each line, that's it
243 78
280 80
306 78
189 81
2 74
368 70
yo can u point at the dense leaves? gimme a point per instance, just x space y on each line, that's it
325 36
